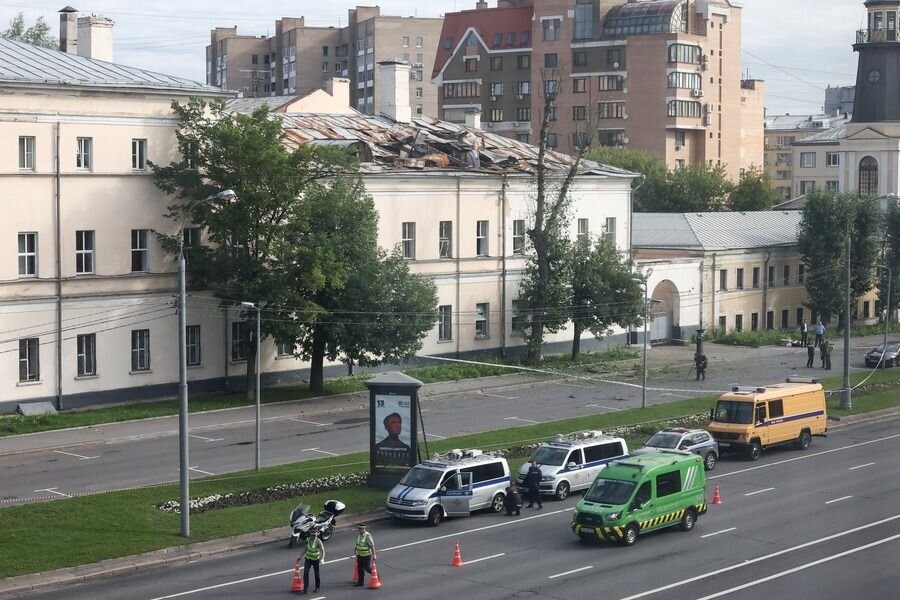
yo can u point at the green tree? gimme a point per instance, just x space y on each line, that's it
38 34
695 188
603 290
647 189
891 257
754 191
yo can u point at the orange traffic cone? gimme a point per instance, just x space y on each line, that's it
457 557
374 582
355 570
297 584
716 498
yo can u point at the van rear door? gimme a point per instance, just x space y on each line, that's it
456 494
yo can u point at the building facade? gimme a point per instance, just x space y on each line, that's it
299 59
657 75
790 177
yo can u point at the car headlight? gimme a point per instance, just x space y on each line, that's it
420 503
547 478
614 516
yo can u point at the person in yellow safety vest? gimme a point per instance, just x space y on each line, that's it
365 552
314 555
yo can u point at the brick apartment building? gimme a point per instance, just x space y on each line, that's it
657 75
299 59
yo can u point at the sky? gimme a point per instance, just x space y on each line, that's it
798 47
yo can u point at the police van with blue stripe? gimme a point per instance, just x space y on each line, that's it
570 463
452 485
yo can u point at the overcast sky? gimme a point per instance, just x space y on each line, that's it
797 46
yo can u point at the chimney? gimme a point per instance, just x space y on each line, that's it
473 118
393 94
481 5
339 88
95 38
68 30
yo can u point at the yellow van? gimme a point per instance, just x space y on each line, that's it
749 419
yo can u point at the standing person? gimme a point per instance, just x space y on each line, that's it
823 351
810 353
513 500
313 554
820 332
804 333
828 348
365 553
533 483
700 362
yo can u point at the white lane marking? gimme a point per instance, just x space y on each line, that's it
519 419
52 491
78 456
469 562
320 451
676 395
310 422
226 584
759 491
424 410
498 396
584 387
570 572
863 466
443 437
200 471
802 567
759 559
718 532
601 406
838 499
205 439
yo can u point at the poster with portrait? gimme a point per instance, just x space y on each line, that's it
393 426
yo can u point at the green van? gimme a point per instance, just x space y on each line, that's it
642 493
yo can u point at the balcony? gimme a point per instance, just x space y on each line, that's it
876 36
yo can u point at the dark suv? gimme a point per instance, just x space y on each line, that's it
698 441
891 358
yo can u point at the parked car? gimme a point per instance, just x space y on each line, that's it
891 356
698 441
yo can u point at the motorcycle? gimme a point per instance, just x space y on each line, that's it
302 521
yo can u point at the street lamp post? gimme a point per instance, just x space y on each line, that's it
646 310
184 478
887 310
255 307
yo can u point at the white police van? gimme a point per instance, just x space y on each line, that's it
452 485
570 463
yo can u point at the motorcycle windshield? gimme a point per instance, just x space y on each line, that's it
302 509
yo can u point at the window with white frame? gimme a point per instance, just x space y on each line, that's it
140 350
520 314
86 354
610 229
408 239
833 186
583 226
497 89
445 239
140 250
807 160
29 360
84 252
284 348
610 110
405 41
551 29
420 42
445 323
84 154
192 343
139 155
481 238
240 340
26 153
832 159
807 186
27 255
482 312
523 88
518 236
786 275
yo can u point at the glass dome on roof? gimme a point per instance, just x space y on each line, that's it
641 18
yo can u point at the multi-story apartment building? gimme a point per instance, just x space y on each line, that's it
816 161
299 59
657 75
839 100
790 177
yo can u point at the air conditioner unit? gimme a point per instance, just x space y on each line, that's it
493 98
707 120
417 65
520 96
697 93
710 108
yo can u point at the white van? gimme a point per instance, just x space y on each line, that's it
452 485
570 463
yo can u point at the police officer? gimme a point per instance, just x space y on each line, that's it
533 483
700 362
828 348
314 554
810 353
365 552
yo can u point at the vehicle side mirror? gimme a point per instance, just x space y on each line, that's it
570 465
443 488
637 505
712 414
683 445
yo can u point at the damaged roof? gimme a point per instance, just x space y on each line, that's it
384 145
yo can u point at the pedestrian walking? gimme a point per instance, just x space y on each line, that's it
810 353
533 483
828 348
513 500
364 552
823 351
820 332
700 363
804 333
313 554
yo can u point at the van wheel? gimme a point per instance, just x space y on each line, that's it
709 461
804 440
562 490
688 520
497 503
435 516
754 452
630 535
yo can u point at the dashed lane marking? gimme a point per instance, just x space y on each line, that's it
434 435
319 451
52 491
601 406
519 419
310 422
842 498
469 562
200 471
571 572
718 532
483 393
205 439
759 491
78 456
863 466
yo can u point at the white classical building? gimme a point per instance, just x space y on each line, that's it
87 302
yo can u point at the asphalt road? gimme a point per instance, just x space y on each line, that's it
823 524
59 464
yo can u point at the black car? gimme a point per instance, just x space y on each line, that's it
891 356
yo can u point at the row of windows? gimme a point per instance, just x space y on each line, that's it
738 322
808 159
523 113
771 282
523 88
404 41
807 186
482 321
84 153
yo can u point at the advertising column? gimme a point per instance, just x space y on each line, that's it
393 427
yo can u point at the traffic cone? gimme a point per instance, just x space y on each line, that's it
297 584
355 570
374 582
716 498
457 557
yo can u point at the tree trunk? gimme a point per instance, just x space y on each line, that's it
317 360
576 341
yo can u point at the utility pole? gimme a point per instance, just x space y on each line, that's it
846 402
